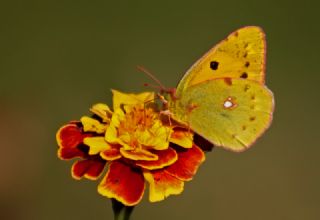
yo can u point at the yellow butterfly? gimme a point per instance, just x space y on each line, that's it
222 97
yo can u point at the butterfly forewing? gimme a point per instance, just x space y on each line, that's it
240 55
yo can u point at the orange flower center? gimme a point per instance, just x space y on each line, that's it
141 128
138 119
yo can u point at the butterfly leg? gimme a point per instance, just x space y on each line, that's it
168 114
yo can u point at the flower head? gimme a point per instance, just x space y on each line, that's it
137 143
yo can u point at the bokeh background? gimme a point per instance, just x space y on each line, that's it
57 58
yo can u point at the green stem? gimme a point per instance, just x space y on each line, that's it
120 211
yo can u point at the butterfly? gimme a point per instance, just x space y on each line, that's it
223 96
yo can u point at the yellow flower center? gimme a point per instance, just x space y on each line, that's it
140 127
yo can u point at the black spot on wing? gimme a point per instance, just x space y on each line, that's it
244 75
214 65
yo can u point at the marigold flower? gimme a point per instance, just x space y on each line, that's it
137 143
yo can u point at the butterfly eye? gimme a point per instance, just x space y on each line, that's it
214 65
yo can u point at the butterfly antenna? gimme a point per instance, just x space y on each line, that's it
152 86
144 70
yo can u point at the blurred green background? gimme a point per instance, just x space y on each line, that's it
57 58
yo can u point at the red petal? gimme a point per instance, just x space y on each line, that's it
69 153
187 164
166 158
111 154
123 183
70 136
89 168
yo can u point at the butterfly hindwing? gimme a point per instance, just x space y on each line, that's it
231 113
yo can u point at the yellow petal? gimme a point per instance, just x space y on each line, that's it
162 134
92 125
120 98
162 185
146 138
111 135
102 110
182 138
117 117
96 144
138 154
157 137
166 158
125 137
